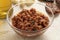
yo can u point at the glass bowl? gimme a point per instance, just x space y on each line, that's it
38 6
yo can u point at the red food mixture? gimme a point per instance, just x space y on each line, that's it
30 20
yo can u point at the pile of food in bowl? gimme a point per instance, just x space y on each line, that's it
30 21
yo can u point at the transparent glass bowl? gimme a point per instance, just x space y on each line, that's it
38 6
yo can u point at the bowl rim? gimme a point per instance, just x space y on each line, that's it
7 18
